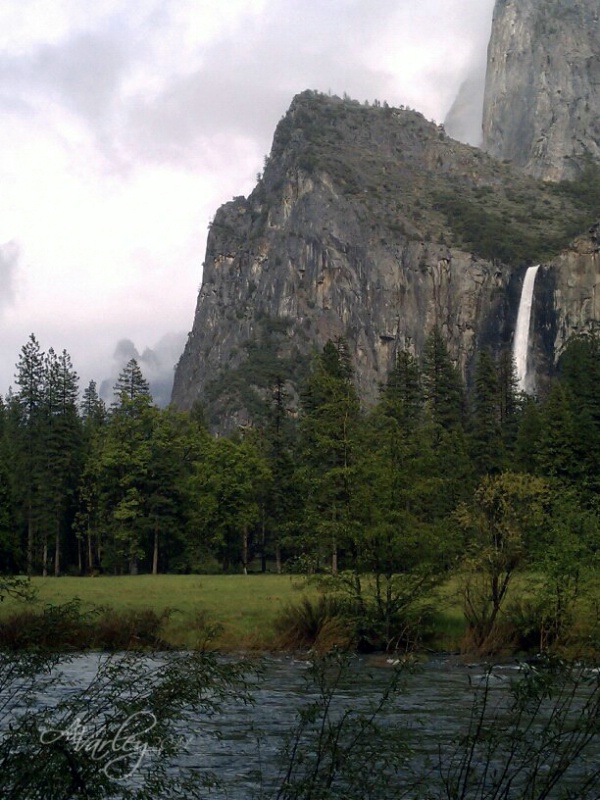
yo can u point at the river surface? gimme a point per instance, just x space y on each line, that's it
242 744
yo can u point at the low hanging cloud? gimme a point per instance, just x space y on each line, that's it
157 365
9 263
464 118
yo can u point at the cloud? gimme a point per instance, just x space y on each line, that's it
463 120
149 93
9 263
243 86
127 125
157 365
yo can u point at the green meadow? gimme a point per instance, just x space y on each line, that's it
237 613
238 610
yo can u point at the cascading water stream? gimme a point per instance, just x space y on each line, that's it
521 342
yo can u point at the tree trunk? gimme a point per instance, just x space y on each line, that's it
45 558
89 553
30 544
334 559
245 550
57 551
263 556
278 559
155 554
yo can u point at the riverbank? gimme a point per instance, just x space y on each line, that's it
237 613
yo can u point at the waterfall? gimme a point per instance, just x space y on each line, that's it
521 342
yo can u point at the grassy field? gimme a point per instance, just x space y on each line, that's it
243 607
240 610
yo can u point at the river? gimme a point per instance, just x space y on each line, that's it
417 750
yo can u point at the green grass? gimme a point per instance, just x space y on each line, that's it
243 607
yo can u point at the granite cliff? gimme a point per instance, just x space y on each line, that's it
372 224
542 94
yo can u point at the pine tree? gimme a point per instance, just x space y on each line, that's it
124 465
510 400
328 428
87 519
226 489
131 388
9 539
401 396
282 506
62 442
29 463
486 442
93 408
444 393
557 453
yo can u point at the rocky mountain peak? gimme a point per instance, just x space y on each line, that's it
542 94
369 223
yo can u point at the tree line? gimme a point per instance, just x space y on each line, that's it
431 476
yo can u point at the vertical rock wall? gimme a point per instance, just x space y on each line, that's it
542 94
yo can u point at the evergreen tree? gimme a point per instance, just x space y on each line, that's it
486 441
579 374
529 431
444 393
511 400
328 429
62 444
124 464
174 447
86 524
9 539
131 387
226 489
283 504
557 453
27 419
93 408
401 396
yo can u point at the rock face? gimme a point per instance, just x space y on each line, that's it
370 224
542 95
566 302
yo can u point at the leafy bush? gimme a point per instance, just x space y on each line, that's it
66 628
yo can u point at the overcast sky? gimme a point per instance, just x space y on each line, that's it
126 125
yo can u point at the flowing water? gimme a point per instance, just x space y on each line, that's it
242 744
521 342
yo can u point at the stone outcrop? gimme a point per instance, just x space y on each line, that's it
542 95
575 281
369 223
566 302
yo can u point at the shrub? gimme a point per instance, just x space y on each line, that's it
320 624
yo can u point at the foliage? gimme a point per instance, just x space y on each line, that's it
529 742
230 479
322 624
116 737
339 750
506 511
393 499
531 736
248 382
